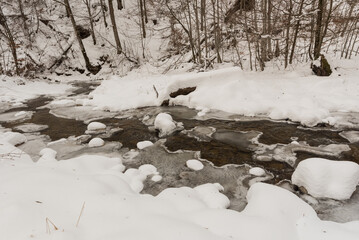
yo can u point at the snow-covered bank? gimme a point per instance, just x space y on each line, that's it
15 90
89 197
297 95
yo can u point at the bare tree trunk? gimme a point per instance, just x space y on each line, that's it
269 28
92 69
9 36
145 10
190 35
265 32
195 9
348 19
329 14
21 8
288 33
114 27
103 12
119 5
203 13
142 19
296 32
318 30
88 6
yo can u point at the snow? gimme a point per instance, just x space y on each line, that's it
17 90
257 171
112 207
156 178
96 142
47 154
194 164
14 138
297 95
143 144
324 178
94 126
165 124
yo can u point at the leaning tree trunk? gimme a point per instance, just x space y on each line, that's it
92 69
114 27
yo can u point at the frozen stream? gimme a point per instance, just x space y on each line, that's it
228 145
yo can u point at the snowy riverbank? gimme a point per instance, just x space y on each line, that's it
297 95
92 197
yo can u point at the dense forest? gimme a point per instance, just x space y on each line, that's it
85 35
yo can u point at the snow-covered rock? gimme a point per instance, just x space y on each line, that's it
165 124
156 178
95 126
194 164
147 169
327 178
257 171
144 144
96 142
47 154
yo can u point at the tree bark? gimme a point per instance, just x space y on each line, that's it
114 27
88 5
318 30
142 19
103 12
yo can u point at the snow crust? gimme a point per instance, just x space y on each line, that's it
194 164
297 95
324 178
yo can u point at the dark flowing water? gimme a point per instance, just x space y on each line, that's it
226 145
